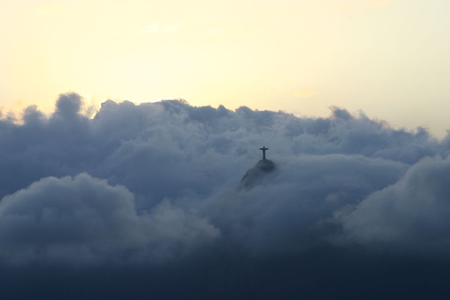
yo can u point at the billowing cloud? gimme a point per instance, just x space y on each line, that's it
85 220
410 216
288 210
153 191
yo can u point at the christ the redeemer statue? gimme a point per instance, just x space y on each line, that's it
263 149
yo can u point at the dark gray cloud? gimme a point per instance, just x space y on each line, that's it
84 220
290 209
152 191
409 216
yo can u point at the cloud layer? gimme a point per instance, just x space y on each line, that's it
156 184
85 220
408 216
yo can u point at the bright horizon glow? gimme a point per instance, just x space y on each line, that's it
388 58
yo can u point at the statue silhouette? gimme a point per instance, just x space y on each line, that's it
256 174
263 149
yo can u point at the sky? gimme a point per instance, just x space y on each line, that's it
150 201
387 58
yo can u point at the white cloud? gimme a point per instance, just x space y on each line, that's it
50 9
154 28
213 31
377 3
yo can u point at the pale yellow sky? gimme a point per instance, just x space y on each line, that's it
388 58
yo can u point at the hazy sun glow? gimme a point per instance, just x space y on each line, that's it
388 58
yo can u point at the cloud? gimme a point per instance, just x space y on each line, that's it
305 93
167 28
213 31
147 195
357 7
85 220
50 9
154 28
287 212
378 3
409 216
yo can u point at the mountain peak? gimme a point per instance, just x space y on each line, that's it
255 174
